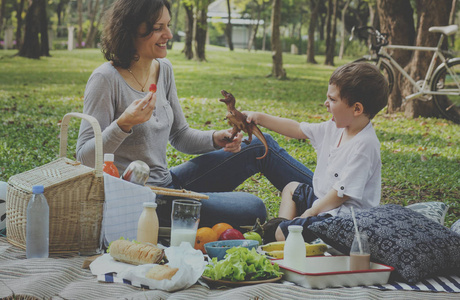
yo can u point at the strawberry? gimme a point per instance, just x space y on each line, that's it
153 88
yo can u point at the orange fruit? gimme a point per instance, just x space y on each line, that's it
204 235
221 227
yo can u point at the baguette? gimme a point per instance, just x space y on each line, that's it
136 254
160 272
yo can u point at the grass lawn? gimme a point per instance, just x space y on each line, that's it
421 157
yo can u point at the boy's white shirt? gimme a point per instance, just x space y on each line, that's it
352 169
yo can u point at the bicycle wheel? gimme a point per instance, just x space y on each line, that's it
448 105
385 68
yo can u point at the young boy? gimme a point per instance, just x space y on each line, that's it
348 170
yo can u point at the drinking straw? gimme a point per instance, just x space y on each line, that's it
357 231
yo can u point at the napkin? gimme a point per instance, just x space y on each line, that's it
122 208
190 262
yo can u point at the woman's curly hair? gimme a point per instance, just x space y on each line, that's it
121 22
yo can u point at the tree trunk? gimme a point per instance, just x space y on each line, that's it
331 32
80 23
314 6
255 28
188 49
396 20
19 24
228 27
2 13
342 32
176 4
43 21
277 51
452 21
31 46
264 32
430 13
91 36
201 28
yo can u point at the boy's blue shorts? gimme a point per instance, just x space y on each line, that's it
303 198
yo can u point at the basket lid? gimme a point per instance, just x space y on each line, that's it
50 174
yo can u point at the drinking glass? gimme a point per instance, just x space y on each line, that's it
185 217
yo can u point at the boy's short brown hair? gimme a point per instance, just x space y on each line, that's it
362 82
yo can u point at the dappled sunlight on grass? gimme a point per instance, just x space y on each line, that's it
420 157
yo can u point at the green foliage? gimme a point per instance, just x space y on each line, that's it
420 157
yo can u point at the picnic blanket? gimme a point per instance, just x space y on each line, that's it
61 277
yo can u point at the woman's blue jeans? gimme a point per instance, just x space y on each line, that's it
218 173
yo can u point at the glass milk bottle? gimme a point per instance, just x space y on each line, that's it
147 227
294 249
360 256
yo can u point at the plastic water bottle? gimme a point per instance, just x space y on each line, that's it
294 249
37 227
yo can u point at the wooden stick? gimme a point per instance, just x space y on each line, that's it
178 193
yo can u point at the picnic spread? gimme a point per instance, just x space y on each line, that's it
412 254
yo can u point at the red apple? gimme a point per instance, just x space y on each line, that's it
231 234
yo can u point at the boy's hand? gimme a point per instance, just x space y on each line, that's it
251 116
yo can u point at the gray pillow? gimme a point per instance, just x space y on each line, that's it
413 244
434 210
456 227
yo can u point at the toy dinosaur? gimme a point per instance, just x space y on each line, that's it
237 120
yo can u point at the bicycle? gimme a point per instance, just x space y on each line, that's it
442 85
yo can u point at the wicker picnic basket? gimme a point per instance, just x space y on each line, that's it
75 195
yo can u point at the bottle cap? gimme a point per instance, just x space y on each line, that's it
38 189
150 204
109 157
295 228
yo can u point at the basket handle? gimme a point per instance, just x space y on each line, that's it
97 135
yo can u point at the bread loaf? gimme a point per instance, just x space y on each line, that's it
160 272
135 254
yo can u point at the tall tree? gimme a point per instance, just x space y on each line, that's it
342 31
430 13
19 23
314 6
80 23
201 29
2 13
175 7
331 31
91 35
188 45
228 27
277 51
36 32
258 8
396 20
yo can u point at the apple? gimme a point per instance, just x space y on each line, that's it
252 235
231 234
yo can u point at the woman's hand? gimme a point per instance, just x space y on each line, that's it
221 139
137 112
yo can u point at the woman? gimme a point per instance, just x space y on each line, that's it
137 124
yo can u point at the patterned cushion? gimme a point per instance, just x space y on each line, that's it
434 210
456 227
413 244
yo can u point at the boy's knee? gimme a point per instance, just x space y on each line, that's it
279 236
290 187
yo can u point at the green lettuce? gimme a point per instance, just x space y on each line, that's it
242 264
